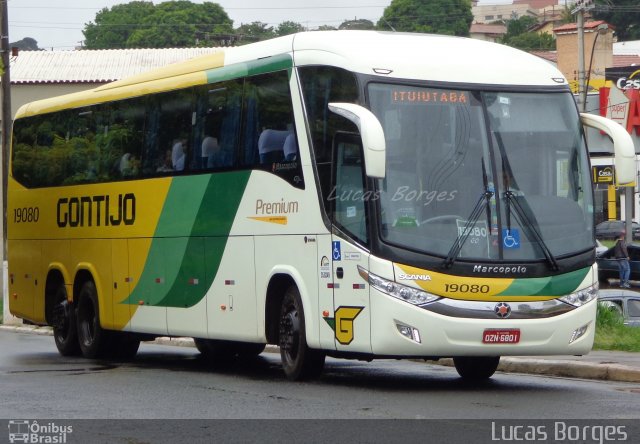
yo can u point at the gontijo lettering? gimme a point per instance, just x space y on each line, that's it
89 211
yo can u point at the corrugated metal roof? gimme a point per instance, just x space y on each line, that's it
94 66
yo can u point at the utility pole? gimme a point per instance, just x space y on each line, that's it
579 8
5 136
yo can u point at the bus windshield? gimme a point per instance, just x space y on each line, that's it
499 176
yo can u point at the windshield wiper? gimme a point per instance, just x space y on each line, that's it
466 230
525 222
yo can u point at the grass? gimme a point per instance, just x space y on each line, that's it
612 334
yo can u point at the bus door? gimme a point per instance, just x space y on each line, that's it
352 314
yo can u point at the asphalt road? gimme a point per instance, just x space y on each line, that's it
174 383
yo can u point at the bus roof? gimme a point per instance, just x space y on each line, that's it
435 58
427 57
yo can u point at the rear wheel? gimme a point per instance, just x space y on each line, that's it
298 360
476 368
92 337
63 321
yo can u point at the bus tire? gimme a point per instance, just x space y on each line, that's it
476 368
65 333
91 336
299 362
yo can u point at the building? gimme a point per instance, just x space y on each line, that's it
598 53
491 33
543 10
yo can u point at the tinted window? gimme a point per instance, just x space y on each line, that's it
320 86
634 307
184 131
269 137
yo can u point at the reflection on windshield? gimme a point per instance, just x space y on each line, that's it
474 175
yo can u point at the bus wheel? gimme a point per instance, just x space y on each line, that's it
91 336
476 368
64 324
298 360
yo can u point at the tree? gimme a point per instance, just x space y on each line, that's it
255 31
518 35
452 17
357 24
624 15
170 24
519 26
26 44
288 27
532 41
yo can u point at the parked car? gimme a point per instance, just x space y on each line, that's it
611 229
608 265
625 303
600 249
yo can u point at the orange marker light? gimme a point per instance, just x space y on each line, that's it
325 314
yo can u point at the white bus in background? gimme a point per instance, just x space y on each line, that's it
351 194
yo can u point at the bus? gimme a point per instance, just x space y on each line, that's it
352 194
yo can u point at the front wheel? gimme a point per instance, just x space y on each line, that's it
299 362
476 368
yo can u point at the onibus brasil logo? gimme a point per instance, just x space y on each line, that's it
33 432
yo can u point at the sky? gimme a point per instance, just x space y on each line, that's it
58 24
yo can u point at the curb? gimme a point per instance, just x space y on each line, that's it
551 367
564 368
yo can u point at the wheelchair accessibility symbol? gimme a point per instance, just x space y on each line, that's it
335 251
510 238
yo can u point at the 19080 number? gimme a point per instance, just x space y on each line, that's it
26 214
465 288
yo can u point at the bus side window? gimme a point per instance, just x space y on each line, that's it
268 127
218 113
169 133
268 114
320 86
349 186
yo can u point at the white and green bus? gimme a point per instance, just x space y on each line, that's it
349 194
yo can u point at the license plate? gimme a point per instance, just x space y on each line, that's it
501 336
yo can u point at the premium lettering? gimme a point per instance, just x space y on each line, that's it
101 210
281 207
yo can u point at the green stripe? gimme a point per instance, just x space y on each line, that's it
190 239
238 70
560 285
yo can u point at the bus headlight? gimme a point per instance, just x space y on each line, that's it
398 291
581 297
